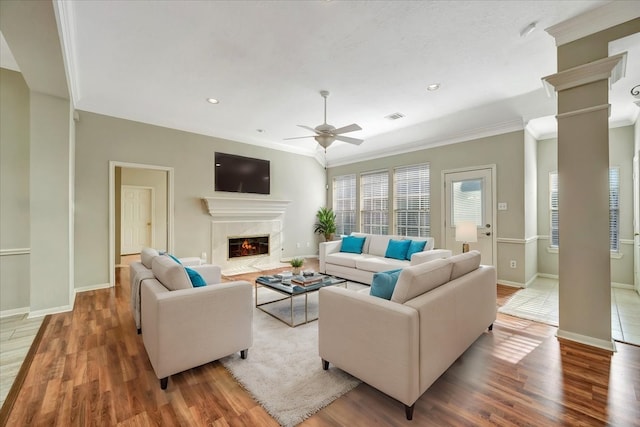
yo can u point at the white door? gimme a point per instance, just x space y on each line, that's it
636 222
468 196
136 219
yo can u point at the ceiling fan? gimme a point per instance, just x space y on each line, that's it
325 134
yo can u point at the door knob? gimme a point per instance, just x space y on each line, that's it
487 226
488 233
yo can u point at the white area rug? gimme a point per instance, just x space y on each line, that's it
283 371
538 302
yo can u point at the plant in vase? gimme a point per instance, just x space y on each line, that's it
326 224
296 264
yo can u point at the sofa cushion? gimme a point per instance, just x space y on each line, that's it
378 244
147 255
345 259
173 257
418 279
171 274
383 283
195 278
365 247
352 244
373 263
464 263
415 246
397 249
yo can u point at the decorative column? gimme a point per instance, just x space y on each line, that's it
583 173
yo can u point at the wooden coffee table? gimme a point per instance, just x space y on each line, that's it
290 290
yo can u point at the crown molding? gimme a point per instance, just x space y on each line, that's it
612 67
66 30
593 21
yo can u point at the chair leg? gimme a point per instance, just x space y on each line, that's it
491 327
163 383
244 353
325 364
139 331
408 410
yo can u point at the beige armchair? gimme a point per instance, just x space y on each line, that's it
189 327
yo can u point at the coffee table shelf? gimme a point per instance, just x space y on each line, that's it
290 290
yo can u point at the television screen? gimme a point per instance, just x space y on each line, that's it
240 174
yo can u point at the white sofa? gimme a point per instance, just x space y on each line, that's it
401 346
184 327
141 270
361 267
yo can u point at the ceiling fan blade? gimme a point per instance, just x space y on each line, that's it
350 128
309 128
300 137
355 141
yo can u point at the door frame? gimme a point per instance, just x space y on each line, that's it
152 212
494 214
112 207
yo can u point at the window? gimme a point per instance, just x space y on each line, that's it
411 201
344 203
614 209
374 209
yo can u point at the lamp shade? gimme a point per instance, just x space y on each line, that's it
466 231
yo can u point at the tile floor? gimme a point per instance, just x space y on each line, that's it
539 302
16 335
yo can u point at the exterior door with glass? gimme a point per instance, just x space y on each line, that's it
469 196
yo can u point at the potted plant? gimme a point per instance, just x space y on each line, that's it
296 263
326 224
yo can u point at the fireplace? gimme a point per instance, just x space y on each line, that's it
247 246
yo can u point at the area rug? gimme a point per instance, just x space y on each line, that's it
283 371
539 303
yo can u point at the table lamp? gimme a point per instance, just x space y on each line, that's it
466 231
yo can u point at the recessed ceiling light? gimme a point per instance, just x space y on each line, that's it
212 101
434 86
260 130
528 30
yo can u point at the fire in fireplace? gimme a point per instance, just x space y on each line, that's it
248 246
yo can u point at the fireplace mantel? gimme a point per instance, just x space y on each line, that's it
232 208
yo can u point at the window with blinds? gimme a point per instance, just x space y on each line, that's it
412 206
344 203
614 209
374 203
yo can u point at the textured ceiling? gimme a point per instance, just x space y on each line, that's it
266 61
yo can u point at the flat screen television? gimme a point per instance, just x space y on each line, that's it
240 174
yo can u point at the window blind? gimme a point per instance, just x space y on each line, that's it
374 209
344 203
412 204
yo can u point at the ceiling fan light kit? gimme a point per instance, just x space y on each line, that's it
325 133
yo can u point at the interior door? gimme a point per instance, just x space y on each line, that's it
137 219
469 197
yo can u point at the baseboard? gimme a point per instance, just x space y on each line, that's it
622 286
590 341
14 312
511 284
53 310
92 287
548 276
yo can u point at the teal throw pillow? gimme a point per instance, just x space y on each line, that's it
174 258
397 249
415 246
352 244
196 279
384 283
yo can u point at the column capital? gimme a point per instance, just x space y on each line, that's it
612 67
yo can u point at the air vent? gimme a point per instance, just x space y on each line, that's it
394 116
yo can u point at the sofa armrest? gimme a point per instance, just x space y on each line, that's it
189 327
424 256
371 338
209 272
327 248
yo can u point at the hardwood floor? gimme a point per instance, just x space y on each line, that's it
91 368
